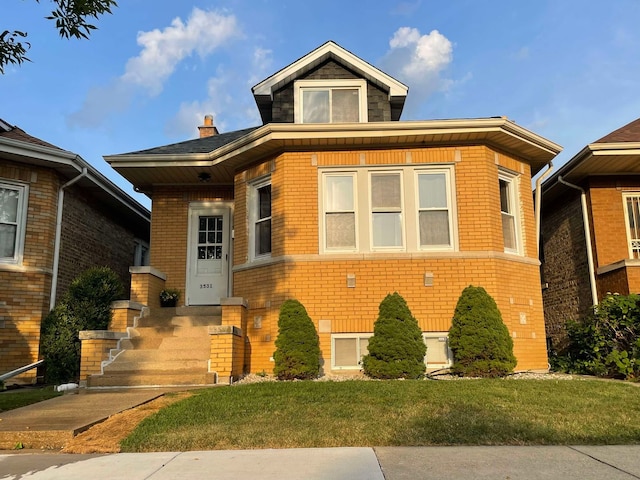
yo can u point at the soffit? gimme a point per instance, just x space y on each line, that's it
221 164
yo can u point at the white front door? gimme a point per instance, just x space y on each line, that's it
208 262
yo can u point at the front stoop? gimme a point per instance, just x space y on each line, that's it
168 347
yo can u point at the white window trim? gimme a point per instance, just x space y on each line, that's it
514 190
403 227
453 224
21 221
356 336
438 335
323 210
252 212
300 85
625 197
410 211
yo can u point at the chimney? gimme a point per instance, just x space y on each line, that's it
208 129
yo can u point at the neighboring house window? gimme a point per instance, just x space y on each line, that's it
339 212
335 101
434 209
632 205
509 212
347 350
386 210
140 253
378 209
439 354
13 199
260 219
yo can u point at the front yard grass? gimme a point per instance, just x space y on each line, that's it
395 413
11 399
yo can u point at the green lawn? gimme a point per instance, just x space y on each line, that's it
377 413
11 399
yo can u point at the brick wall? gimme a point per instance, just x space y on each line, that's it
25 289
90 237
378 107
319 282
565 268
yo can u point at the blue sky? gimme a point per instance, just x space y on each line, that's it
569 70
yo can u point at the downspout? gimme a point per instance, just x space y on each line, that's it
587 236
56 248
539 202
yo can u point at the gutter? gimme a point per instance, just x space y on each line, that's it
587 236
56 248
539 202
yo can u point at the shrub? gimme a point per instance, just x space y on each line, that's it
297 354
606 342
396 349
478 338
85 306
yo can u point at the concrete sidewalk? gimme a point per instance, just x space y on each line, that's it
52 423
390 463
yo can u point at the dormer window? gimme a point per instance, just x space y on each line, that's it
330 101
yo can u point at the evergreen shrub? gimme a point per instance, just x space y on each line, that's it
606 342
396 349
297 354
85 306
478 338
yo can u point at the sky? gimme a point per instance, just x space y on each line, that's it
568 70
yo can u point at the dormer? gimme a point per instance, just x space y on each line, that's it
330 85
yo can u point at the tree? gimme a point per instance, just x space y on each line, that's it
71 21
396 349
297 354
479 339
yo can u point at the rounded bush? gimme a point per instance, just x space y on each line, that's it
478 338
297 354
396 349
85 306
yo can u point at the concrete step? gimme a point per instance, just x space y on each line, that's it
169 331
182 320
149 379
186 366
174 355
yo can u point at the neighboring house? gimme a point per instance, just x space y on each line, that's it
591 205
335 202
58 217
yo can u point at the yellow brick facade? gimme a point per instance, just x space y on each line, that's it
297 268
26 288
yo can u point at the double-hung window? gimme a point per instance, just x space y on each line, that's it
509 213
340 212
260 219
13 199
337 101
386 210
632 206
434 209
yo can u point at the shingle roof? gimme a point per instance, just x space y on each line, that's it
16 133
628 133
199 145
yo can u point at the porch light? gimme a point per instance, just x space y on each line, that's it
204 177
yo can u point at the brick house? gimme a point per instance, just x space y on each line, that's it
336 202
58 216
591 228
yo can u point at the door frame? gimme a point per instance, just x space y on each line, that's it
209 208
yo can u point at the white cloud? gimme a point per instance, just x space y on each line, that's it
161 52
228 99
419 60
